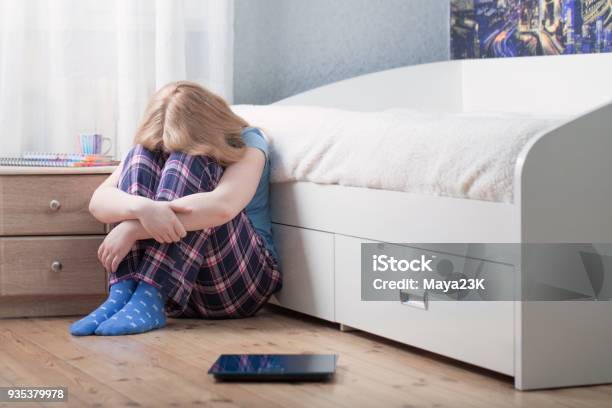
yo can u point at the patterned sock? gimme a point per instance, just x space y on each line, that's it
144 312
119 295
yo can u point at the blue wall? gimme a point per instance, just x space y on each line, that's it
283 47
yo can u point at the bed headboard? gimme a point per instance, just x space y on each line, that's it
413 86
568 84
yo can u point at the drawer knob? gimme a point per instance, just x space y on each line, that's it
54 205
56 266
416 300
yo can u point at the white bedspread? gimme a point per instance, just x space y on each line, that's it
457 155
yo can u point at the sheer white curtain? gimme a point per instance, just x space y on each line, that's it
89 66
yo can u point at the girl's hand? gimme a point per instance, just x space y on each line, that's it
159 219
116 245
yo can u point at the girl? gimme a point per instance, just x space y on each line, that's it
194 232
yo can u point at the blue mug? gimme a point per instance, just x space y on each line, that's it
93 144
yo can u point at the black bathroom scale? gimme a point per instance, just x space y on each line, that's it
274 367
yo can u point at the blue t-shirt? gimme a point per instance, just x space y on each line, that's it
258 209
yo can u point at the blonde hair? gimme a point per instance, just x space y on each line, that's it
185 117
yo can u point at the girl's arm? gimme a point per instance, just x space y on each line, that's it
211 209
235 190
110 205
237 187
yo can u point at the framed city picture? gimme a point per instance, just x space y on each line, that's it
511 28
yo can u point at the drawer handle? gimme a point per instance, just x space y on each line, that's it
418 301
56 266
54 205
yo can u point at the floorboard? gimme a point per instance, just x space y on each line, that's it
169 368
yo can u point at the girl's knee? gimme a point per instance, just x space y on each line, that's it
139 155
140 150
188 158
141 171
204 168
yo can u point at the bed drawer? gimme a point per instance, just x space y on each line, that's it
307 262
33 266
480 333
48 204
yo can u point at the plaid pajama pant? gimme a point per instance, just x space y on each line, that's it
220 272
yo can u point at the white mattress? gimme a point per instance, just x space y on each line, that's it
462 155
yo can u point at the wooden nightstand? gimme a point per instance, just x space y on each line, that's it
49 241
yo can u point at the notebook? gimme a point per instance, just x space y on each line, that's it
35 159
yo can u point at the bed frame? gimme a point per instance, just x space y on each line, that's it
563 193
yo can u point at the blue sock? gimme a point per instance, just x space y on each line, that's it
119 294
144 312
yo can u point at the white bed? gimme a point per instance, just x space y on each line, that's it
459 154
562 193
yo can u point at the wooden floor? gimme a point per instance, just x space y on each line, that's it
168 368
